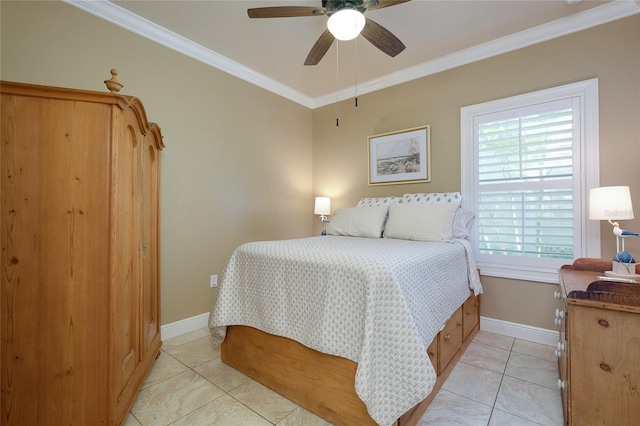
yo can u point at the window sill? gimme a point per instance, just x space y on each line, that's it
543 275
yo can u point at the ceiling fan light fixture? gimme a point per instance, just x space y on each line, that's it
346 24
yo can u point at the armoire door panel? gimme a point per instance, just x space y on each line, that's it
150 297
127 255
55 232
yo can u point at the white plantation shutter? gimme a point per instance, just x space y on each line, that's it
525 181
537 223
527 184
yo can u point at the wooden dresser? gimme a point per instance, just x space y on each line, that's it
599 347
80 254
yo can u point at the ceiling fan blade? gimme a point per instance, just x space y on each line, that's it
285 11
387 3
318 50
382 38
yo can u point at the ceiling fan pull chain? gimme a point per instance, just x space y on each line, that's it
356 72
337 85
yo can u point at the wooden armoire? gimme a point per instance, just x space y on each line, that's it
80 254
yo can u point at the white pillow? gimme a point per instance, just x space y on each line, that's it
462 223
433 198
428 222
358 221
378 201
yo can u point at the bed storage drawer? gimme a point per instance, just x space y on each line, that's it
450 340
471 315
432 351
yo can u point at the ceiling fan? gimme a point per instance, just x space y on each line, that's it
379 36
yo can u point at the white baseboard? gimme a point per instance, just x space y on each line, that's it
492 325
520 331
183 326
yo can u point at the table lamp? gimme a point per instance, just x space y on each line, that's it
323 208
613 203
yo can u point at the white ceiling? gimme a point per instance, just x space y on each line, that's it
438 35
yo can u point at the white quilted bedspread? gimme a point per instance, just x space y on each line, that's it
376 301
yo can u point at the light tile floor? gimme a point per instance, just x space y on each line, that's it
499 381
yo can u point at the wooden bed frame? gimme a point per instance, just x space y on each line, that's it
325 384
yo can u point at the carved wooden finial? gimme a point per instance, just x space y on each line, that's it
113 84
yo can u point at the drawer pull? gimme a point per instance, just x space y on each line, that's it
447 337
559 313
561 384
556 294
558 322
605 367
603 322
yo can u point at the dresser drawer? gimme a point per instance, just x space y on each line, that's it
450 339
605 357
561 350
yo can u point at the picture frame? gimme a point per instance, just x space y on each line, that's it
400 157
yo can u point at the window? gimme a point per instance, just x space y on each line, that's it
527 164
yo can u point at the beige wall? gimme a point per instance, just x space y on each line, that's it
610 52
237 162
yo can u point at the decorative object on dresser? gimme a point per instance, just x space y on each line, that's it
599 348
80 254
614 203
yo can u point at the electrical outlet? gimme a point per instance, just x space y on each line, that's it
213 281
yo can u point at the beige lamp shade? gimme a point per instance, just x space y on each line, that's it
323 206
610 203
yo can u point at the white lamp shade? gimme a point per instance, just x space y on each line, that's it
610 203
323 206
346 24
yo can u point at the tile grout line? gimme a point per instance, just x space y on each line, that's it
495 400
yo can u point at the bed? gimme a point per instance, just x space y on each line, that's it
356 328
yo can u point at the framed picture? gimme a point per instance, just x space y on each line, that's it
400 157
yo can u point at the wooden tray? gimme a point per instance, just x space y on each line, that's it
610 292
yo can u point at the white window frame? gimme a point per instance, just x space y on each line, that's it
586 175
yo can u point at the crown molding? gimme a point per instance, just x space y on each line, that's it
609 12
121 17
